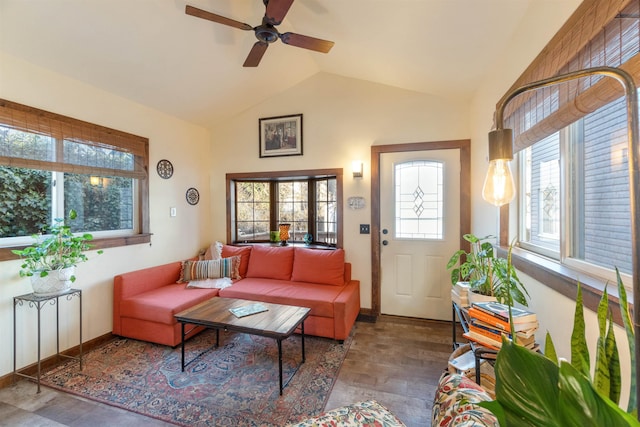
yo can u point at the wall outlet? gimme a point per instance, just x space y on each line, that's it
173 212
364 228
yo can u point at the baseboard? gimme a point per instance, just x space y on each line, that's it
49 362
367 315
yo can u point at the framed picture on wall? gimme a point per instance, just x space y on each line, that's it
281 136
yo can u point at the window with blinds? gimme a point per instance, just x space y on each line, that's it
572 143
51 164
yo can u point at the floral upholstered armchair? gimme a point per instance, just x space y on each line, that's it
455 404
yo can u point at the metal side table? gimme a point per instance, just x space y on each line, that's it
39 301
479 352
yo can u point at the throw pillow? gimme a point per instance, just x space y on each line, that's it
243 251
210 269
271 262
318 266
214 251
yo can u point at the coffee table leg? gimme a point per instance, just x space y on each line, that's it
302 336
280 363
182 327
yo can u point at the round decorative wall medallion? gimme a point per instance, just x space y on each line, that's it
165 169
193 197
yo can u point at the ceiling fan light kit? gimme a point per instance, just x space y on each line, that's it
266 33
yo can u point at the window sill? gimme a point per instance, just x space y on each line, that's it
564 280
110 242
296 244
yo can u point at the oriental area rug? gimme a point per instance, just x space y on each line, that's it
236 384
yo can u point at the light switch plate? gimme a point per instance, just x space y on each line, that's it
173 212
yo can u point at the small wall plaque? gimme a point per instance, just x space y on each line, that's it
356 202
165 169
193 197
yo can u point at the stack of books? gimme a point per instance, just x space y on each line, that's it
459 294
489 321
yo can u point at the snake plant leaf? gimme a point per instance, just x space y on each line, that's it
601 378
613 363
526 387
579 350
628 326
550 349
582 406
532 390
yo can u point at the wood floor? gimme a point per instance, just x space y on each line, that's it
395 361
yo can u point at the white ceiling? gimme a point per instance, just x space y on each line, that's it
151 52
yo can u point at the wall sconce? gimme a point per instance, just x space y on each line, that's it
96 181
357 168
501 150
284 234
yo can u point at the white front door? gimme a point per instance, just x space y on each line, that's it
420 229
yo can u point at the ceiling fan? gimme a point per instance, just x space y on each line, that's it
266 32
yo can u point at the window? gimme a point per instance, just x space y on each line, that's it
595 206
51 164
574 202
310 203
419 193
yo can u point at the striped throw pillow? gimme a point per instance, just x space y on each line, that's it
211 269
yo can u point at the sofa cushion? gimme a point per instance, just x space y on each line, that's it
243 251
318 266
319 298
252 289
159 305
271 262
210 269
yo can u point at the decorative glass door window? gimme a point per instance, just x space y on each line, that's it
419 200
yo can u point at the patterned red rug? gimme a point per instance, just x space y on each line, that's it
233 385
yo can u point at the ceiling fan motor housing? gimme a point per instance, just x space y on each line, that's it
266 33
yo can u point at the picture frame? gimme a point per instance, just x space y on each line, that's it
281 136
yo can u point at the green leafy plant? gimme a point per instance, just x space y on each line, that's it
538 390
487 273
56 250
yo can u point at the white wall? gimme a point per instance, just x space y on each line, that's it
342 119
185 145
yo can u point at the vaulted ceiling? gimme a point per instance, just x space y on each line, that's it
153 53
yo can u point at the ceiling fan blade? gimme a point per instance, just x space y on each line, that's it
306 42
255 55
277 10
199 13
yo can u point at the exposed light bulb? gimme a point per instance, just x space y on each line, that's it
498 188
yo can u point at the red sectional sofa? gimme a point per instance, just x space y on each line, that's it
145 301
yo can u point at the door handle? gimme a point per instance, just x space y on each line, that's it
385 242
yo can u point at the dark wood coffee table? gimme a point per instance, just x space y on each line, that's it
278 322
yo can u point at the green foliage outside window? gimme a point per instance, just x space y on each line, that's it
25 202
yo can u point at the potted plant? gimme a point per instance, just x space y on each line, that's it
541 390
487 275
51 260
